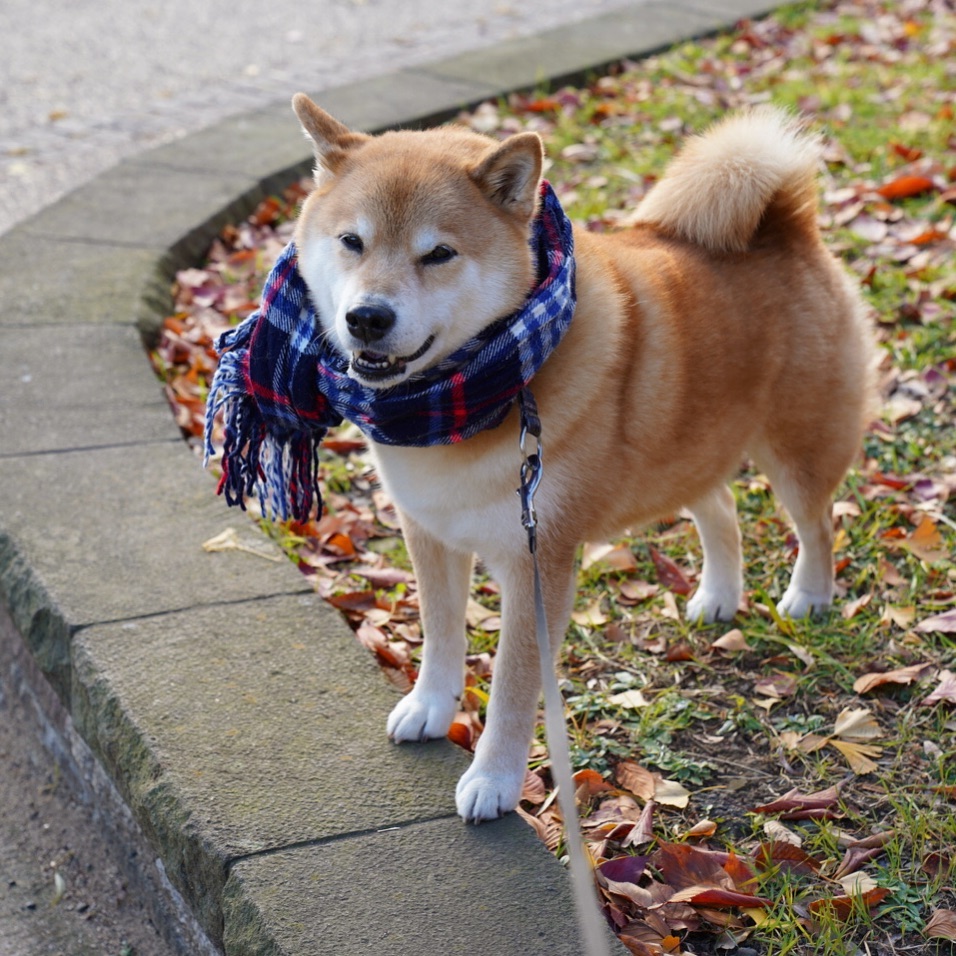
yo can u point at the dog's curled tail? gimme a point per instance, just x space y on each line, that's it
723 184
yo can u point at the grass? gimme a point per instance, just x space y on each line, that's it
728 719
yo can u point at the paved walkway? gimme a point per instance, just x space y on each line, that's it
213 695
84 85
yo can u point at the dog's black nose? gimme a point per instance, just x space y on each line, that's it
370 323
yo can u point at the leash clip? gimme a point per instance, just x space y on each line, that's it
531 467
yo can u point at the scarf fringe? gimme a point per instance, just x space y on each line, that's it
281 470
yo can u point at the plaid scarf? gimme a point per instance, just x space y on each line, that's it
281 385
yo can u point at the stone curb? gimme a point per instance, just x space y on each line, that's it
232 710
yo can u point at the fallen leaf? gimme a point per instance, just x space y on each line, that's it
794 805
851 609
926 542
671 794
776 685
636 779
733 641
902 675
941 925
905 187
786 857
946 691
862 851
629 699
229 540
842 907
588 783
944 623
778 833
592 616
671 576
856 884
613 557
717 896
700 830
857 724
857 755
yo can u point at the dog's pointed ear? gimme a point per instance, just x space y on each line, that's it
509 175
331 139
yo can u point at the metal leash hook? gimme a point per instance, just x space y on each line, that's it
594 933
531 469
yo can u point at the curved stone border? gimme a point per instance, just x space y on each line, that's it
229 706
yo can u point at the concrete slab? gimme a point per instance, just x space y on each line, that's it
50 282
78 387
242 728
560 55
114 534
406 891
148 208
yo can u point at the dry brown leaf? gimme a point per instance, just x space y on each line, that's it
778 833
945 691
776 685
944 623
733 641
926 542
591 616
613 557
902 675
941 925
636 779
856 724
853 608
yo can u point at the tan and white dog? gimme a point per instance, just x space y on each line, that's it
718 326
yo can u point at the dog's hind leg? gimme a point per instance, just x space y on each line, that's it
806 492
492 785
721 580
444 578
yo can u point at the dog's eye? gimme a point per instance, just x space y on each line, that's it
441 253
351 242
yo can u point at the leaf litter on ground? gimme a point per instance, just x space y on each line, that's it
726 781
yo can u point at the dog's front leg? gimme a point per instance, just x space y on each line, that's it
444 577
492 785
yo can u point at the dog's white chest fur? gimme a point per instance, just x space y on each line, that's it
470 507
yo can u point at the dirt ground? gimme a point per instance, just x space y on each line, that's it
61 888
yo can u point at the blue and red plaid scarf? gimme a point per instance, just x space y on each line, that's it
281 386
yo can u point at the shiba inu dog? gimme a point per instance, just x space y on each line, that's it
717 327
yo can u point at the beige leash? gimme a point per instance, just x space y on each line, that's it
591 923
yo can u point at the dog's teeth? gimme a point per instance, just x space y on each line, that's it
392 359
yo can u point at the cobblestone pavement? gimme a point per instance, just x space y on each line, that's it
83 84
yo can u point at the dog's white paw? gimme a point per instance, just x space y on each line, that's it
421 716
712 604
486 796
797 603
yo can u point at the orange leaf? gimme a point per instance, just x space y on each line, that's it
905 187
926 542
842 906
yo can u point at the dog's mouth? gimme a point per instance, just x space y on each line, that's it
379 367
